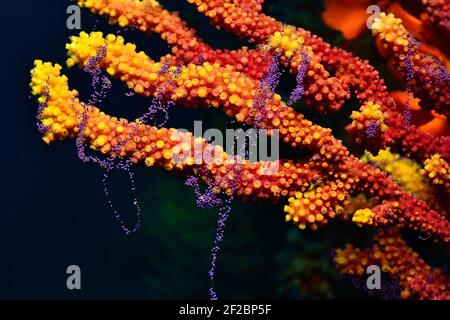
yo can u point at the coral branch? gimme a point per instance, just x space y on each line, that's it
439 12
187 46
235 93
352 72
206 84
429 79
161 147
417 279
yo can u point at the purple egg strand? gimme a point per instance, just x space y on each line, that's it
110 163
373 129
113 162
410 73
123 30
200 59
299 89
159 104
206 200
96 97
270 82
389 288
224 214
209 199
440 76
126 165
41 128
266 90
154 107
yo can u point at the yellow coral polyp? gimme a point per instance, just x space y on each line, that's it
287 41
100 141
438 170
368 113
406 172
390 28
363 217
340 259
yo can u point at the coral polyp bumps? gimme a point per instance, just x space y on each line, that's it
403 187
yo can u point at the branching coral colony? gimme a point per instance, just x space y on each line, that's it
388 192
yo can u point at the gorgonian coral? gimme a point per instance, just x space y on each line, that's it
320 185
416 279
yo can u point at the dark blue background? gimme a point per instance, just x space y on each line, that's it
53 210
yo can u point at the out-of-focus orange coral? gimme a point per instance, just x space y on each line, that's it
351 18
426 77
429 122
347 16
